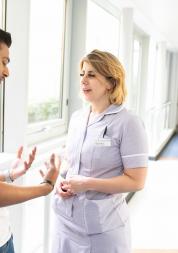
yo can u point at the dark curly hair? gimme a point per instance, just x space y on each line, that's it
5 38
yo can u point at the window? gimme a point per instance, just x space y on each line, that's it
102 29
137 56
168 75
46 57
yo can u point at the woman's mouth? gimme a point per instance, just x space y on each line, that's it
86 90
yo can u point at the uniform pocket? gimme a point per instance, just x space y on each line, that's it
122 210
62 206
106 156
102 215
58 204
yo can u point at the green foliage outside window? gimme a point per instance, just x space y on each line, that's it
43 111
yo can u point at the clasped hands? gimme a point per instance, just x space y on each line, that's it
71 186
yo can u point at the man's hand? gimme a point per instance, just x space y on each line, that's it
20 167
52 171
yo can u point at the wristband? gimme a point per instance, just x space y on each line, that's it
7 176
46 181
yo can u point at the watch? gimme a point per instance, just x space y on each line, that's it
7 176
46 181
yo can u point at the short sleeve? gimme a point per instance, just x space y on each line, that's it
134 144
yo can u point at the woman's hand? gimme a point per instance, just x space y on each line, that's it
60 189
19 166
76 184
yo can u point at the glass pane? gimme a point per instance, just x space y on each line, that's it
102 29
136 75
45 60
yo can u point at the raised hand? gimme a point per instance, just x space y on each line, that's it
19 166
52 169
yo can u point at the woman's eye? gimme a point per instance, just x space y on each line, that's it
91 75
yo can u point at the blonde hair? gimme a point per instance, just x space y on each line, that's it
109 66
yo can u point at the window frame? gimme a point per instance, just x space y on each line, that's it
139 38
3 7
144 40
108 7
45 130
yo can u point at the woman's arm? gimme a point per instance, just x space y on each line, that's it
132 180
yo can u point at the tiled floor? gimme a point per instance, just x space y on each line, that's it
154 210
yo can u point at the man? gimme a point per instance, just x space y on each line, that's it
13 194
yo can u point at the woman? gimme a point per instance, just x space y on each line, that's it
107 156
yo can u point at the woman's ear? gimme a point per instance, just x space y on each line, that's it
111 84
109 87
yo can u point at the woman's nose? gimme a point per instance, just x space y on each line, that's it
84 79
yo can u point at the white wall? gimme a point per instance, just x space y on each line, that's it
17 83
16 94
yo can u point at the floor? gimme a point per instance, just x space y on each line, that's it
171 150
154 210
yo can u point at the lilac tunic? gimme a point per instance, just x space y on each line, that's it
94 222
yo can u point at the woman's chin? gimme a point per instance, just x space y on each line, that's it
87 98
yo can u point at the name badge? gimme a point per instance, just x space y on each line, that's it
102 142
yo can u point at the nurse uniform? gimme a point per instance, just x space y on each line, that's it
94 222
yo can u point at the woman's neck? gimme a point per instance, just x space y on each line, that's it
99 107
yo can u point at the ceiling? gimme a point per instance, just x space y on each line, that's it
162 14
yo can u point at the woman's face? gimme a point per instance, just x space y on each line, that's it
94 86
